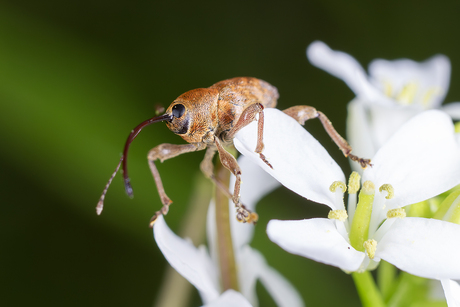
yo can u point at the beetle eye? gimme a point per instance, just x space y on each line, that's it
178 110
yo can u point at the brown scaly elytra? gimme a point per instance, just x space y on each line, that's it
209 118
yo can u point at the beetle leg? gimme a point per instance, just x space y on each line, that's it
243 214
207 167
303 113
246 117
163 152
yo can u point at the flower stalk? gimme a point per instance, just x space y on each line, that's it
368 293
228 273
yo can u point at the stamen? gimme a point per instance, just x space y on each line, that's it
399 213
353 183
433 91
388 89
370 246
457 127
389 189
340 215
407 94
338 184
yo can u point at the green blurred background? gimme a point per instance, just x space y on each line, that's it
77 76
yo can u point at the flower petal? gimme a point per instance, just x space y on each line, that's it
317 239
431 78
453 109
256 183
424 247
358 132
230 298
299 161
337 63
452 292
252 267
192 263
386 121
420 161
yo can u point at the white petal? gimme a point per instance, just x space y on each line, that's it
358 133
230 298
299 161
452 292
317 239
252 267
386 121
193 264
431 76
255 184
424 247
337 63
420 161
453 109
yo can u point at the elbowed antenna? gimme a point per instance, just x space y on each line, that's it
124 159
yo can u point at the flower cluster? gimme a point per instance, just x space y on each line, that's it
396 120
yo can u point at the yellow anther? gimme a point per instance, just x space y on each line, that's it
457 127
399 212
389 189
368 188
370 246
433 91
340 215
407 94
353 183
338 184
388 89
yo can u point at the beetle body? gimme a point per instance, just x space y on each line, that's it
213 111
209 118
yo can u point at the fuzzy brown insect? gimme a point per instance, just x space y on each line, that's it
210 118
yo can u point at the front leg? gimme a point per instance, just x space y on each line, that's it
246 117
243 214
303 113
163 152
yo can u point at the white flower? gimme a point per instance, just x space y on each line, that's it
392 93
419 162
452 291
200 265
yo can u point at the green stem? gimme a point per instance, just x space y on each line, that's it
386 276
368 293
227 263
409 290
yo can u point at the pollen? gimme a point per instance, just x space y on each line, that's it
353 183
340 215
389 189
399 212
370 246
338 184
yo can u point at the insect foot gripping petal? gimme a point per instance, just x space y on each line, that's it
164 210
363 162
244 215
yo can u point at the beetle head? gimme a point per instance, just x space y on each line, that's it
194 114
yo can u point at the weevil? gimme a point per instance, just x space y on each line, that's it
209 118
